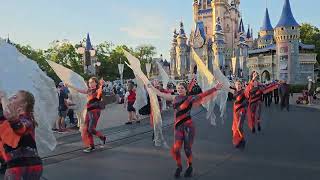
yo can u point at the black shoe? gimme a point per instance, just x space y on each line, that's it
259 127
138 122
188 172
253 130
89 149
128 123
178 172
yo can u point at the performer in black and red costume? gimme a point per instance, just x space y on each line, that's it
239 115
254 92
184 130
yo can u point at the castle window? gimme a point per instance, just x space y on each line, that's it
282 29
292 27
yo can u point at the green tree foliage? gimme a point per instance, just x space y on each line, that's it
65 53
311 35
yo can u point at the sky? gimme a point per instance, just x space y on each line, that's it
130 22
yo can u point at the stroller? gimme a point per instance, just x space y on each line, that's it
304 98
316 95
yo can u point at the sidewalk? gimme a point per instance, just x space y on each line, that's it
113 116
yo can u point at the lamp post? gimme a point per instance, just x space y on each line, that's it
97 66
120 68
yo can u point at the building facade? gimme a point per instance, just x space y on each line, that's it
219 37
279 54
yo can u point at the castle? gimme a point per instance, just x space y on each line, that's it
219 38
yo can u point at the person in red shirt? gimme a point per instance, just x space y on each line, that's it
94 95
130 98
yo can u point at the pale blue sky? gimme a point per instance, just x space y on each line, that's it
132 22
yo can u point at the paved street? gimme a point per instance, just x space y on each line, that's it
286 149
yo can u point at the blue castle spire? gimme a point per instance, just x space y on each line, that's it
181 33
287 19
241 27
88 43
248 33
266 26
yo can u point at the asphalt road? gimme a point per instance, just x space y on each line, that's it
287 148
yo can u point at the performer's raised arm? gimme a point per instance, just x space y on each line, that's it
82 91
166 96
203 97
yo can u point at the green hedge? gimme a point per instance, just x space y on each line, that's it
297 88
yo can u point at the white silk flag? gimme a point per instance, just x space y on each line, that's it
207 81
74 79
141 95
155 108
17 72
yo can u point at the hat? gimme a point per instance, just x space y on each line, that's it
61 84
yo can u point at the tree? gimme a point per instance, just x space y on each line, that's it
145 53
65 53
311 35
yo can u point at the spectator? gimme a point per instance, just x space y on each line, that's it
130 98
276 96
62 108
284 95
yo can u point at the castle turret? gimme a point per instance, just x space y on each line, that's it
241 28
195 10
287 35
243 55
218 45
249 37
266 33
173 54
181 50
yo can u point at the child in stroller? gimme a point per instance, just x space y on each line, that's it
304 98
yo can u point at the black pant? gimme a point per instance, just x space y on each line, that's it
71 116
276 99
267 99
284 102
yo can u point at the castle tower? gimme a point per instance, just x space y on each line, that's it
181 50
218 46
287 35
195 10
243 55
173 54
249 37
266 33
89 57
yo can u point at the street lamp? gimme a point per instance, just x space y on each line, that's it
120 68
97 65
